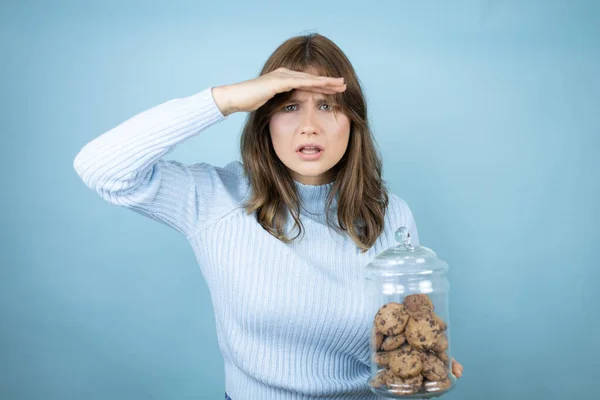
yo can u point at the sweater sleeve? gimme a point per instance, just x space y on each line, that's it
125 166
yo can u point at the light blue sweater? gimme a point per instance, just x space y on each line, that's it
292 319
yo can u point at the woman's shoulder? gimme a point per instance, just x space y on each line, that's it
397 204
400 214
399 211
229 178
232 172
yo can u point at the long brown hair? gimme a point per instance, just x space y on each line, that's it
362 195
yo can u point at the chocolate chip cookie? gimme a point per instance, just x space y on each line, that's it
441 345
393 342
423 330
434 369
404 386
391 319
418 302
376 338
405 362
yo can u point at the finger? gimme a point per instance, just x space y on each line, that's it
320 91
323 79
318 77
332 81
325 84
457 369
306 75
323 89
456 372
329 89
319 87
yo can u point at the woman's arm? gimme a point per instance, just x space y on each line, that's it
125 167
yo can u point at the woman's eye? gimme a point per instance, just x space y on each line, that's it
286 108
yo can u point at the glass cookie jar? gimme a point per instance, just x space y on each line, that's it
407 293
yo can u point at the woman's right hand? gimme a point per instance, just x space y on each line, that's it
251 94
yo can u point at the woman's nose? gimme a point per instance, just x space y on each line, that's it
309 123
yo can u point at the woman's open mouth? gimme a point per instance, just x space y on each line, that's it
309 153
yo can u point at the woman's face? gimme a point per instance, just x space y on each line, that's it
308 118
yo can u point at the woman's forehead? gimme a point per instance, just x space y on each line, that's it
299 94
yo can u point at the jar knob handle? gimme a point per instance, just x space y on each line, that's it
403 236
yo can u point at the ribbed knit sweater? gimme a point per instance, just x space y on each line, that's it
292 320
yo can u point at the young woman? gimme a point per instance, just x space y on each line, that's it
291 316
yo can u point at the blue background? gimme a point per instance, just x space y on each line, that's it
486 113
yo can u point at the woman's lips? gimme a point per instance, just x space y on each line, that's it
310 156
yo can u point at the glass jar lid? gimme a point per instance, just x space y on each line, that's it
406 258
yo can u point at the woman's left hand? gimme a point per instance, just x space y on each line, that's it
457 369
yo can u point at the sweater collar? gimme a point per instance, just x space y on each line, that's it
314 197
